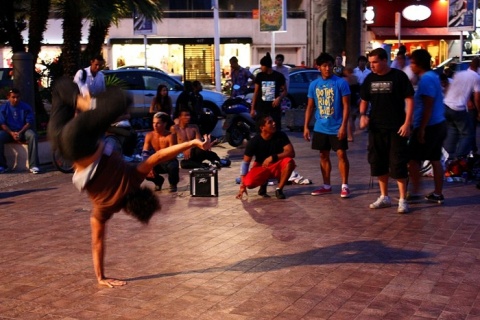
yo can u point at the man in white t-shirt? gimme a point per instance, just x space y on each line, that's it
279 67
361 71
90 80
459 124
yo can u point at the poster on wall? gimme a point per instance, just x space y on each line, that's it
273 15
142 25
461 15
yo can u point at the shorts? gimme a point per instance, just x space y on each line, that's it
432 148
259 175
323 141
388 153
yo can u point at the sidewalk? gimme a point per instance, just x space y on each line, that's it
221 258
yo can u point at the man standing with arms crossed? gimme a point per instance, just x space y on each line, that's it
330 95
390 94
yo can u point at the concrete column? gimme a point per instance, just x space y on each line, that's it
23 77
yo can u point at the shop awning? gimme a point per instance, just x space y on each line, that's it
385 33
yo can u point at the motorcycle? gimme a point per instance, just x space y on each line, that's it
238 124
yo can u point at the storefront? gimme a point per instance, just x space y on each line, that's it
194 58
390 26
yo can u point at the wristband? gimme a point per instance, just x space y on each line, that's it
362 114
274 157
244 166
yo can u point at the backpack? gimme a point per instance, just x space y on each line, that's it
84 76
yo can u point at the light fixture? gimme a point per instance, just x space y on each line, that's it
369 15
416 12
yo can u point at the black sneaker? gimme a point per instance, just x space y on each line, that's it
435 198
414 198
279 194
262 192
173 188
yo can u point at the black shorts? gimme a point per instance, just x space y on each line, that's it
323 141
432 148
387 153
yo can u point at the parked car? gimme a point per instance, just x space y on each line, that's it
142 84
179 77
300 79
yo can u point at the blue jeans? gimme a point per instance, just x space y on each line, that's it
30 137
459 133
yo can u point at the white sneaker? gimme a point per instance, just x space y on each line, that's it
382 202
34 170
402 206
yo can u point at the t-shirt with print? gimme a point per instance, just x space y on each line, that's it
327 94
387 94
262 149
429 86
270 84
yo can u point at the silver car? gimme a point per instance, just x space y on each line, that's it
142 84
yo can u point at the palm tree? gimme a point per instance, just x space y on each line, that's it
103 13
335 33
354 25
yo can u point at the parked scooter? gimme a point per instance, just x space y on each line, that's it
238 124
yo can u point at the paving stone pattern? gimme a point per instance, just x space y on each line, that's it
221 258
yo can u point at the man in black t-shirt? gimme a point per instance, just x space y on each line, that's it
273 154
390 94
270 89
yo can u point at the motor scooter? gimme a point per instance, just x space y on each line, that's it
238 124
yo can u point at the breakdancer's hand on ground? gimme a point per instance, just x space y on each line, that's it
111 283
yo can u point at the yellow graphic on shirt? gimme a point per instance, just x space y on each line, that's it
325 100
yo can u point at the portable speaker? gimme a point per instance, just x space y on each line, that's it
204 183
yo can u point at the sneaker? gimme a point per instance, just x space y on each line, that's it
402 206
262 191
435 198
173 188
34 170
279 194
382 202
413 198
3 170
321 191
345 192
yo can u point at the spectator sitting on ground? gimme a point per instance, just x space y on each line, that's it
16 121
161 138
185 131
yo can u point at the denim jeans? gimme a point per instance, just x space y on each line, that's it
459 133
30 137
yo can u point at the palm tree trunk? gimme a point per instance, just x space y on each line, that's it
335 35
354 25
72 35
39 11
96 37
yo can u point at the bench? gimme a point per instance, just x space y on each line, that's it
17 154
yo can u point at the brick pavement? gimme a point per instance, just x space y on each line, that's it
221 258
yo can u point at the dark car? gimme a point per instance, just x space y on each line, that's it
300 79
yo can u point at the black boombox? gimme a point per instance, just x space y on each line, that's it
204 183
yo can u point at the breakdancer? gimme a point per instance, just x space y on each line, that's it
76 127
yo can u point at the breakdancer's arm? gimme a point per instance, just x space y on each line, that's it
98 247
171 152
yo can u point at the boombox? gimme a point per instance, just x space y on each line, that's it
204 183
